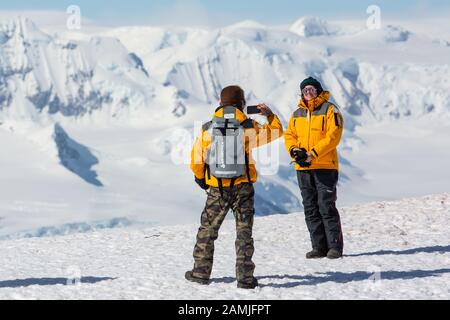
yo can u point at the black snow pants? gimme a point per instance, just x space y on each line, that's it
318 189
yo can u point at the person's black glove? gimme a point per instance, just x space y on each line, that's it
202 183
300 156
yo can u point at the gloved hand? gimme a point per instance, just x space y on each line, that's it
202 183
302 157
265 110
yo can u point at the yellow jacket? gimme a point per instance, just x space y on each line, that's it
316 126
256 135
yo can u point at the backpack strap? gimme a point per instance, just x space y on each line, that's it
232 182
219 180
247 167
208 171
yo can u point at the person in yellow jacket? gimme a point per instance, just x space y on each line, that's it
312 136
235 193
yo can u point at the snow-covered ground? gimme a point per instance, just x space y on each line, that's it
393 250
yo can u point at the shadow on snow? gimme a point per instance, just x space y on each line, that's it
17 283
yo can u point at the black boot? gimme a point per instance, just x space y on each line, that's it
316 253
248 285
189 276
334 254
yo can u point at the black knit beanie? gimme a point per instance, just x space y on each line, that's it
311 82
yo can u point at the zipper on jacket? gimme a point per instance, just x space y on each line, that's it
309 126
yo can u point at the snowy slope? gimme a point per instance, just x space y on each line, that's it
393 250
96 127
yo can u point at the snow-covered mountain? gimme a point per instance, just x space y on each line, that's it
41 74
97 127
373 74
393 250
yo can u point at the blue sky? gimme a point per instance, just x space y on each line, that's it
214 12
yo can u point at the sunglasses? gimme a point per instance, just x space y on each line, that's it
309 90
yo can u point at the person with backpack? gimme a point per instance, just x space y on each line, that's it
313 134
222 165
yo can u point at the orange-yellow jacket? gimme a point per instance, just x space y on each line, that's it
317 126
256 134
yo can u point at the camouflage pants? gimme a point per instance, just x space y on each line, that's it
240 199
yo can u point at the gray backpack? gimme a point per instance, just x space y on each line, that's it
226 157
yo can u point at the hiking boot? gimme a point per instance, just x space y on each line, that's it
248 285
334 254
189 276
316 253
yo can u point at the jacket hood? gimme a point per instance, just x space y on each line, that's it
311 105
